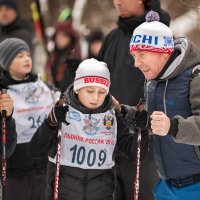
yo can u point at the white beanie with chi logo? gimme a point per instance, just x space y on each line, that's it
152 36
92 72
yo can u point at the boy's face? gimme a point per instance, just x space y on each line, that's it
21 65
91 97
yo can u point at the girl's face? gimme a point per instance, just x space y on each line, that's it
21 65
62 40
91 97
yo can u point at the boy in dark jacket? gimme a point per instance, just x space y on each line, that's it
90 131
32 103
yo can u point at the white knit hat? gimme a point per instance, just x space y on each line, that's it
92 72
152 36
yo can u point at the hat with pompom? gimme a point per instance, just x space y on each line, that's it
152 36
92 72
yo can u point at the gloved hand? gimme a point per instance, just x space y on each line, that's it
57 115
6 103
141 120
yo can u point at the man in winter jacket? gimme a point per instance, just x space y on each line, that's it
171 68
127 86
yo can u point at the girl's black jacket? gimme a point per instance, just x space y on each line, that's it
21 162
77 183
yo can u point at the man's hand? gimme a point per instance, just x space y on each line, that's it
160 123
116 104
6 103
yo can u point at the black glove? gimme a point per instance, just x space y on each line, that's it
141 120
57 115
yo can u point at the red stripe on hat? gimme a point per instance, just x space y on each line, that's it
151 49
95 79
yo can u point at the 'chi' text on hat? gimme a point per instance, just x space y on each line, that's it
152 36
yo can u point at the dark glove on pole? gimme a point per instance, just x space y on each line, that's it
141 120
57 115
141 116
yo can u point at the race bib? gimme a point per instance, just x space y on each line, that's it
89 141
32 104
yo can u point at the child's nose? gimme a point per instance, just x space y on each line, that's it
95 96
26 58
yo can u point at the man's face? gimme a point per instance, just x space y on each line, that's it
150 63
7 15
129 8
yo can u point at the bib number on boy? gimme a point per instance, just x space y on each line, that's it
35 122
81 156
88 142
32 103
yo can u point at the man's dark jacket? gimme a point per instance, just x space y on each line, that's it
127 86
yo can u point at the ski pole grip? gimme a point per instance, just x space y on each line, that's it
4 111
141 105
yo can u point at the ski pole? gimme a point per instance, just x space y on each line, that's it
56 182
4 151
140 107
57 173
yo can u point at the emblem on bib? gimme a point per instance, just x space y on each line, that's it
91 125
108 121
74 115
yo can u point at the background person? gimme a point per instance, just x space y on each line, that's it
95 40
13 25
65 57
